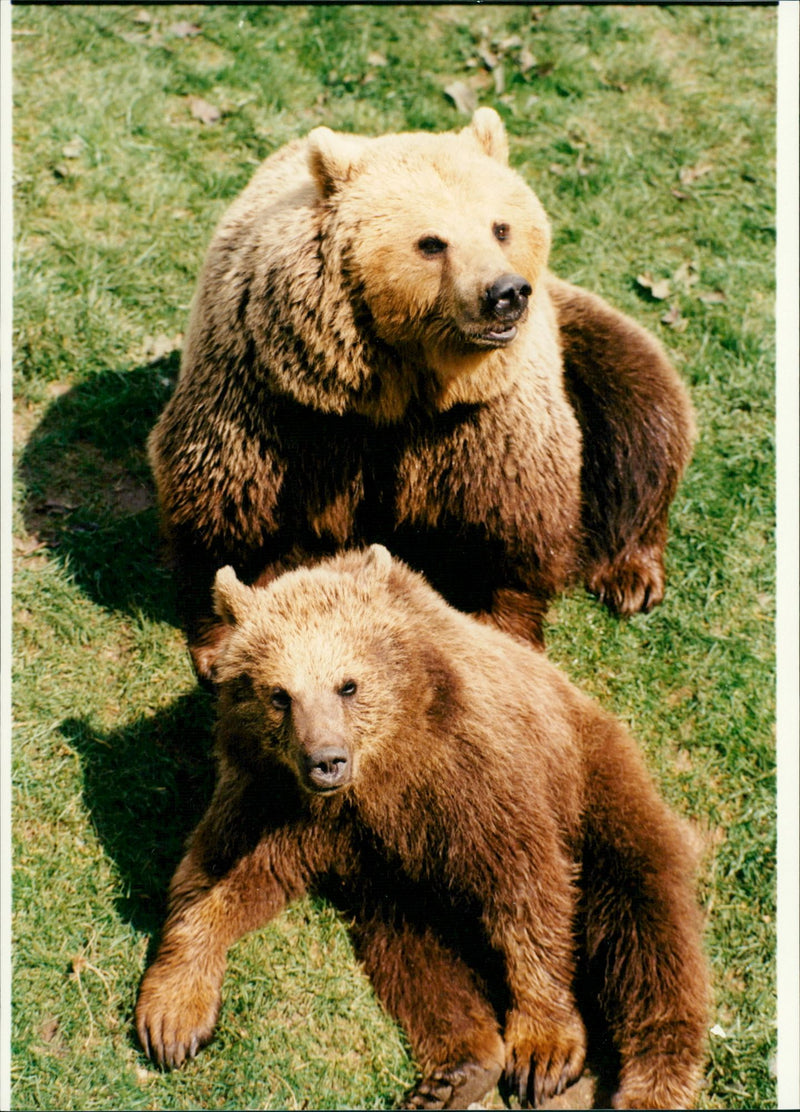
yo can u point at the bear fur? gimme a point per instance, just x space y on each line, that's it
492 835
377 352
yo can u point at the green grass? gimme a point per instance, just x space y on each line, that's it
648 133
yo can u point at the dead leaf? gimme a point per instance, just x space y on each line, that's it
678 696
28 546
463 97
375 58
488 58
690 174
526 60
52 506
579 166
203 111
49 1028
156 347
184 29
687 274
659 288
712 297
679 195
683 761
74 148
511 43
674 320
141 16
131 497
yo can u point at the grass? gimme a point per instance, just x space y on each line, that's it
648 133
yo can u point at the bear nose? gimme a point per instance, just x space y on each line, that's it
327 768
507 298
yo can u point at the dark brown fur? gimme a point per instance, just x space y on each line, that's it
332 393
493 836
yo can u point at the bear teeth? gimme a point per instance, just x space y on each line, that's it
497 337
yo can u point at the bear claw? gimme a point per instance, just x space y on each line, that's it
542 1064
173 1023
630 584
453 1086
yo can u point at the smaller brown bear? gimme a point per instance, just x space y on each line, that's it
492 835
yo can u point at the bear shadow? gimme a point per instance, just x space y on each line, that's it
90 499
87 492
146 786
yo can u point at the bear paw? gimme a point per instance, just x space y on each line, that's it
542 1058
453 1086
631 582
659 1081
176 1013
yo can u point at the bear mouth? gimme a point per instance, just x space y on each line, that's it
496 337
322 789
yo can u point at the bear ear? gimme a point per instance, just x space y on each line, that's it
377 562
232 599
332 158
488 129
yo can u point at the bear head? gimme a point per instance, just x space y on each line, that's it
320 667
444 243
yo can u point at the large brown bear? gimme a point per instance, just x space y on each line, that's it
377 352
491 833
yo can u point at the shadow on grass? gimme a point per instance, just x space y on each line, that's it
146 787
88 492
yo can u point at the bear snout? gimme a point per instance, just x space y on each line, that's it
507 298
327 769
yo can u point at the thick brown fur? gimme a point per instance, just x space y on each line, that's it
492 835
352 374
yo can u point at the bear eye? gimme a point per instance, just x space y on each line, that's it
432 245
501 231
348 688
280 699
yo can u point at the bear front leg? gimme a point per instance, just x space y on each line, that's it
520 613
438 1000
179 999
193 569
532 926
545 1053
638 430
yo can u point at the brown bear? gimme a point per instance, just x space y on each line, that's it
491 834
377 352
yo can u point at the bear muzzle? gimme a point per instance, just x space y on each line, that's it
327 769
505 302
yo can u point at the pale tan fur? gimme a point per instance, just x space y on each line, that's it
342 384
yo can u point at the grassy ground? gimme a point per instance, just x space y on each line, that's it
648 134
